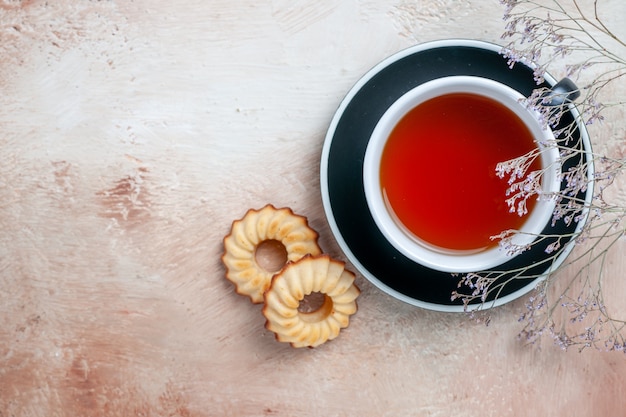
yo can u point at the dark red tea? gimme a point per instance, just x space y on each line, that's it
438 170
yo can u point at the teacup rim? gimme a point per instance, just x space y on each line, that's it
420 252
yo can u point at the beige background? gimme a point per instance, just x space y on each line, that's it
132 133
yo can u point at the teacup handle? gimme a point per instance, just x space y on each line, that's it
563 92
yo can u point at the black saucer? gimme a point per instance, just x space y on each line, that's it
342 165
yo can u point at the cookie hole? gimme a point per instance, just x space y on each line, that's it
315 307
271 255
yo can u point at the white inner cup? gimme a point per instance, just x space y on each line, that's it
422 252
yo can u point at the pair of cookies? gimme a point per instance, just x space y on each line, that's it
307 271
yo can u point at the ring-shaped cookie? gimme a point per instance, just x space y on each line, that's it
311 274
256 227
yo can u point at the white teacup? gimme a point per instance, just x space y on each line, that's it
439 256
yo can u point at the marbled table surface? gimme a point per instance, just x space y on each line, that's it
132 133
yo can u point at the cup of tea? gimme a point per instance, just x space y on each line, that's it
430 179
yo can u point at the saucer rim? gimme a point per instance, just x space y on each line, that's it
328 206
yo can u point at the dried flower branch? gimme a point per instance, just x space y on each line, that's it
568 303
